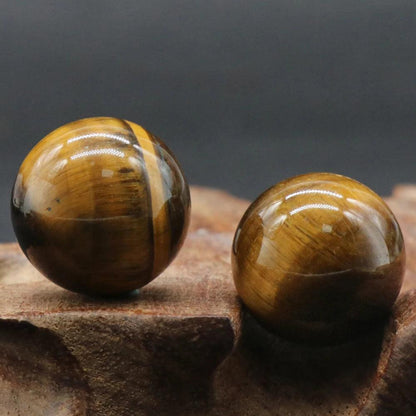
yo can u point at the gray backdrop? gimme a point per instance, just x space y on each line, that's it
246 93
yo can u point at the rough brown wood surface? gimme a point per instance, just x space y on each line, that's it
183 346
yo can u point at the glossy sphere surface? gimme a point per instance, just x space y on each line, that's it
100 206
318 258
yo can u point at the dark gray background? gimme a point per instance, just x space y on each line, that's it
246 93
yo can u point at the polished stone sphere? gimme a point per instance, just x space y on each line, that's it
100 206
318 258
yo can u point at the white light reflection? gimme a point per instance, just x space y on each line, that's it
327 228
314 206
367 211
95 152
107 173
103 135
57 167
48 156
377 251
314 191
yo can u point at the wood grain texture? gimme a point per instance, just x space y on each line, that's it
318 257
101 206
184 346
44 379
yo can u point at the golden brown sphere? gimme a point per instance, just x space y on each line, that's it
318 258
100 206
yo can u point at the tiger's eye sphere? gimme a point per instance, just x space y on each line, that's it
100 206
318 258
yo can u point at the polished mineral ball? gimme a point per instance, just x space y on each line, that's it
318 258
100 206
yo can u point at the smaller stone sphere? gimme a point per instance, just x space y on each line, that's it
100 206
318 258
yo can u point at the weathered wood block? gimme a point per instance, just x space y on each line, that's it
183 345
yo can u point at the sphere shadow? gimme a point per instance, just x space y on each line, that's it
268 373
